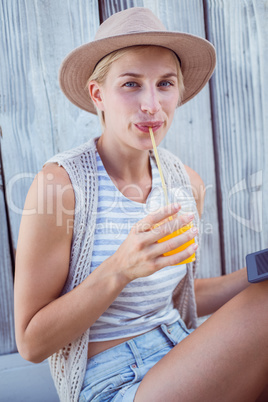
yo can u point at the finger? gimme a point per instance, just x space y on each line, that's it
154 218
173 242
165 261
170 226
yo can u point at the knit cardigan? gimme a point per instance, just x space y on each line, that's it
68 365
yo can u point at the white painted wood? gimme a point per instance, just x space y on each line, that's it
239 31
37 119
110 7
7 339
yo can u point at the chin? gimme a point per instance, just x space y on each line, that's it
145 144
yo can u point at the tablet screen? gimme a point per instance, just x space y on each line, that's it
262 263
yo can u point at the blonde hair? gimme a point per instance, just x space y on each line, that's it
101 70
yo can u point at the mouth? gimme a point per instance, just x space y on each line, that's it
144 126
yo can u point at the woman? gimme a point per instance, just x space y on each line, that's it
93 288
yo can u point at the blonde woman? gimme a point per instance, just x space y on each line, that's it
94 291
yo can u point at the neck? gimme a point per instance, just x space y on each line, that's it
129 169
122 163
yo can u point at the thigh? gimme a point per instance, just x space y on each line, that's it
225 359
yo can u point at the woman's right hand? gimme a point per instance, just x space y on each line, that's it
141 255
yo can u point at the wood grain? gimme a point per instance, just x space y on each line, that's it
37 120
239 100
7 339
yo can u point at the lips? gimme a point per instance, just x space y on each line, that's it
144 126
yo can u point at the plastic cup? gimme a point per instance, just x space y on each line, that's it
187 207
183 246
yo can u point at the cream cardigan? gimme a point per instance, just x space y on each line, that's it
69 363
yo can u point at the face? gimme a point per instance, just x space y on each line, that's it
140 91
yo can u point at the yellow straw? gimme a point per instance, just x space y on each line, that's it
159 165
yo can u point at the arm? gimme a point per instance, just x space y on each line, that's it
46 321
212 293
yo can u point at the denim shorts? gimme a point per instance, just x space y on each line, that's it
115 374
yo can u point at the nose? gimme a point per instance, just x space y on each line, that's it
150 101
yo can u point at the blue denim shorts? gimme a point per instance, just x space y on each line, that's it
115 374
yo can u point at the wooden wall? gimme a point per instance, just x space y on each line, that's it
221 133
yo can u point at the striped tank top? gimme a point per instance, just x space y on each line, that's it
144 303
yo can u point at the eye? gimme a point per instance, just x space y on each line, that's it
166 84
130 84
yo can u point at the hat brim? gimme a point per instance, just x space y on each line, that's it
197 55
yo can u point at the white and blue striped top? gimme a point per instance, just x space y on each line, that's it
146 302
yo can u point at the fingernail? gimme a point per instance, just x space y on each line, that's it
176 206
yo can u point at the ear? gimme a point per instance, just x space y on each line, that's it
96 95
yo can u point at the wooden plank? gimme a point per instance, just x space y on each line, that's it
107 8
37 120
239 31
7 339
190 136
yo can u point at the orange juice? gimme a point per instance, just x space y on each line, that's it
181 248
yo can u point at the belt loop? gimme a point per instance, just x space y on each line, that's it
168 334
135 352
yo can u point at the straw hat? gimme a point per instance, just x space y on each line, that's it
132 27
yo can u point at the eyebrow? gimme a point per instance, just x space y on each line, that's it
135 75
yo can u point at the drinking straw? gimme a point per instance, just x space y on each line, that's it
159 165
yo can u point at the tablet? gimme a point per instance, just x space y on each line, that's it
257 266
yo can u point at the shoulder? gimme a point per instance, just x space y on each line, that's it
52 192
194 177
54 173
58 179
198 188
